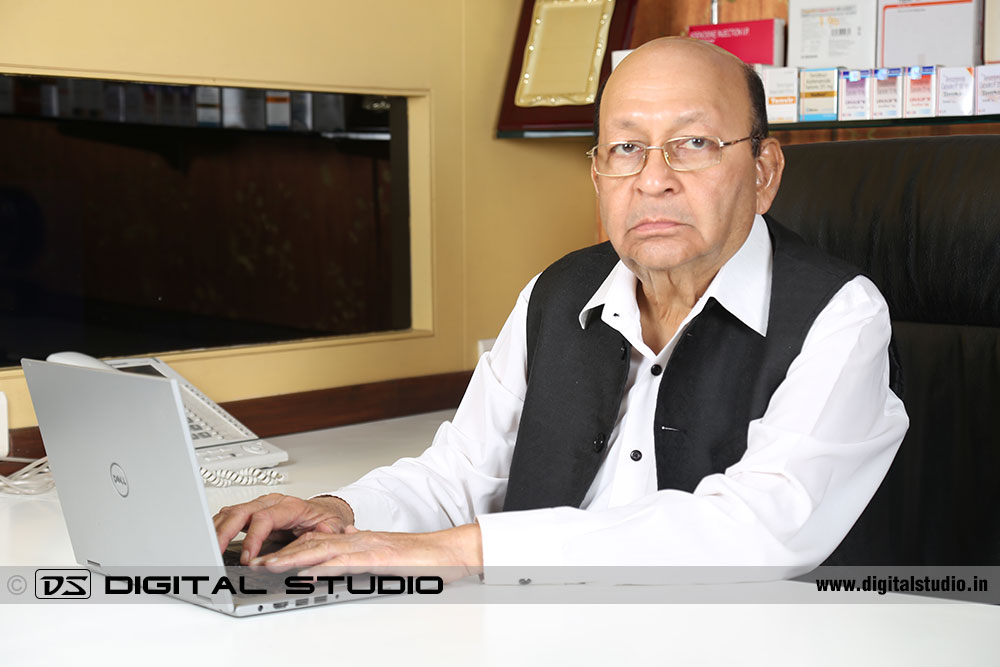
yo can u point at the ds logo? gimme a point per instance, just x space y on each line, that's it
62 584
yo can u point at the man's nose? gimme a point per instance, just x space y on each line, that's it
656 175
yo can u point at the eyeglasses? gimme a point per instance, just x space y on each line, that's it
627 158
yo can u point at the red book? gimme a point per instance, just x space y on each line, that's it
754 42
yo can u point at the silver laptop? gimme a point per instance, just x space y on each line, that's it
129 484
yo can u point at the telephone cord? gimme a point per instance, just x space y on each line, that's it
244 477
36 477
32 479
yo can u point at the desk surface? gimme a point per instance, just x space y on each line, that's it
902 630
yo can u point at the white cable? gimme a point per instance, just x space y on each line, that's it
36 477
244 477
32 479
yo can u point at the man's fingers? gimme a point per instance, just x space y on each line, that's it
328 527
260 517
231 520
357 551
314 547
303 552
292 514
261 525
228 523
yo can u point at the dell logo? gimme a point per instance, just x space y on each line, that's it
119 480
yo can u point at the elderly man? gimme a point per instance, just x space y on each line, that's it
707 390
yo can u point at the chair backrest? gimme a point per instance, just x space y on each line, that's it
921 217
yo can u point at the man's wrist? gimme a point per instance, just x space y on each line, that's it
471 541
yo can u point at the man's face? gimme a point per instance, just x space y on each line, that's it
661 219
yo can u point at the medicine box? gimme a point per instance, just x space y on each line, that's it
887 93
781 93
920 92
987 90
855 94
818 94
755 42
956 91
924 32
825 33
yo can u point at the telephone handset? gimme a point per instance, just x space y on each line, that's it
220 441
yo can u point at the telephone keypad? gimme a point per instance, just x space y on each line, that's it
256 453
199 429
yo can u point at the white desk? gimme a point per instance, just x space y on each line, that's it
383 631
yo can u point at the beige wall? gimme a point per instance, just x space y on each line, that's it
487 214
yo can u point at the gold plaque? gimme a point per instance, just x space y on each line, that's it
564 53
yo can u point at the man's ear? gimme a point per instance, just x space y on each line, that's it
770 165
593 178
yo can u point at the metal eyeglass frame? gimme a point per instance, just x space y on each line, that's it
592 153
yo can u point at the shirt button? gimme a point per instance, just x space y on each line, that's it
524 581
635 455
599 442
656 369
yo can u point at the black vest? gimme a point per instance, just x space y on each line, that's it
720 376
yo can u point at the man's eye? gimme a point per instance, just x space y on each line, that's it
626 149
694 144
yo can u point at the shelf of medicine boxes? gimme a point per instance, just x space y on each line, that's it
890 122
935 125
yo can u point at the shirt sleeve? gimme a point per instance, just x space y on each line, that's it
464 471
813 462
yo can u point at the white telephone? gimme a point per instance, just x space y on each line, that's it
220 441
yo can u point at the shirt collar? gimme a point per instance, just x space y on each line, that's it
742 286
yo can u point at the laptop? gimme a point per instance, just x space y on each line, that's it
131 491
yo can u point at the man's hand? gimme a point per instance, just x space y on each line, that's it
451 554
285 516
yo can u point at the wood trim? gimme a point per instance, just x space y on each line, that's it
805 135
311 410
324 408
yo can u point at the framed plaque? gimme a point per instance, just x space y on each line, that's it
561 56
565 50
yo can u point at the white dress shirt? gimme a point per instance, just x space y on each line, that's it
812 463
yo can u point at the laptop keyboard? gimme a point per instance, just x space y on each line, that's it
231 556
272 582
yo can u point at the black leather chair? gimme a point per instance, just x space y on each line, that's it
922 217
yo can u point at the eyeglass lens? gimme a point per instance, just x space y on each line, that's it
683 154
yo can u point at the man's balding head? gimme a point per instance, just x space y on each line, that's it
753 86
668 218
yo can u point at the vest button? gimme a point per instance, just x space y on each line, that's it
599 443
635 455
656 369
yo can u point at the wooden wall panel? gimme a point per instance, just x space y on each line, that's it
750 10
